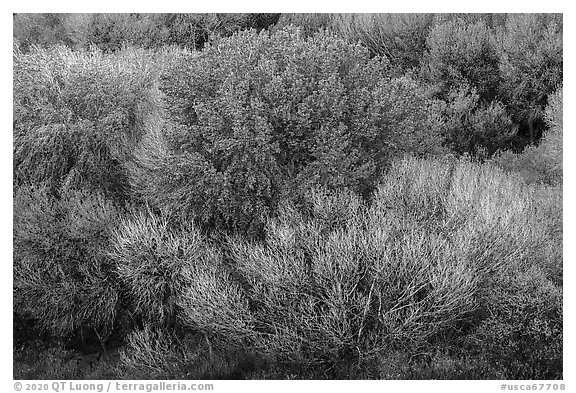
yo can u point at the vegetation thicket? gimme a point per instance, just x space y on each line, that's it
542 163
78 115
232 196
531 54
257 116
109 32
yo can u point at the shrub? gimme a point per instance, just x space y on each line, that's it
552 140
153 354
214 305
469 126
77 115
343 281
309 24
400 38
256 111
110 32
530 52
491 20
149 258
156 354
512 233
334 287
542 163
193 31
458 54
523 335
171 278
63 279
39 29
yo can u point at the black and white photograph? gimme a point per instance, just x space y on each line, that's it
287 196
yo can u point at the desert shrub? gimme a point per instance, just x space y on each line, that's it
523 335
39 29
110 32
214 305
63 279
77 116
401 38
334 288
193 31
458 53
461 68
514 237
469 126
541 163
171 278
492 20
149 257
342 281
153 354
255 111
309 24
530 52
551 143
195 319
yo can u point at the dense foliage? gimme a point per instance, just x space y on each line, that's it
256 116
61 270
461 54
236 197
401 38
110 32
542 163
531 66
77 115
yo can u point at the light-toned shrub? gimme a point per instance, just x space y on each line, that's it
78 115
215 305
343 281
149 258
172 278
401 38
153 354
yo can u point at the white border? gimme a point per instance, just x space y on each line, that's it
299 6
